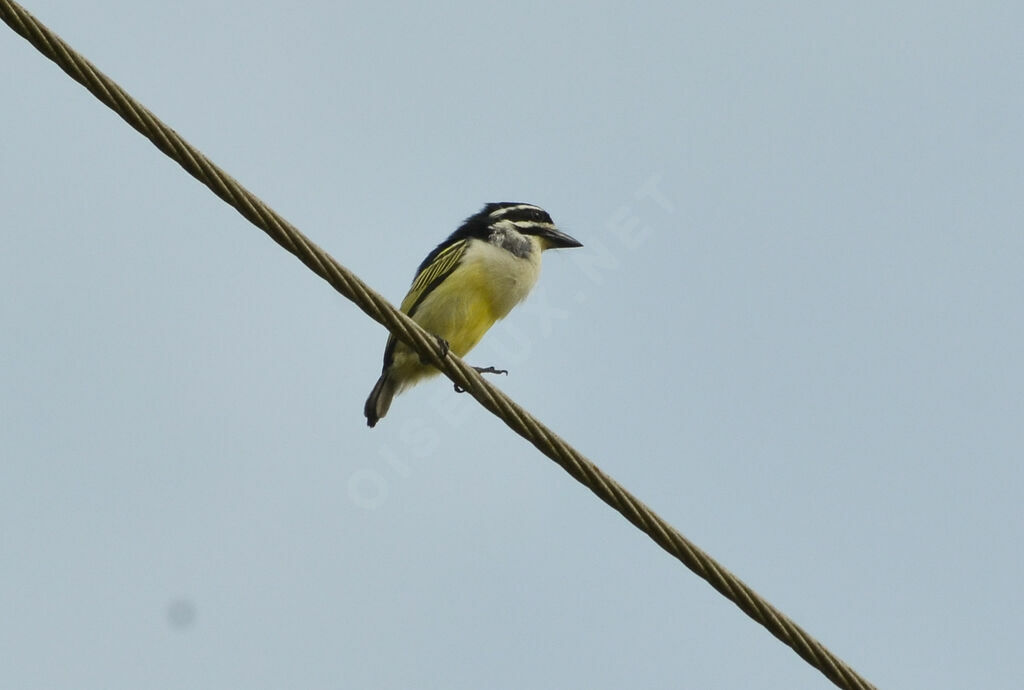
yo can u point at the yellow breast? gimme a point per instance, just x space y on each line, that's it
485 287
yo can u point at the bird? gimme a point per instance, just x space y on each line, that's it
467 283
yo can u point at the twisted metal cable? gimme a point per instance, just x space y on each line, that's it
379 309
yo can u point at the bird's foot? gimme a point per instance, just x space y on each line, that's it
482 370
491 370
441 343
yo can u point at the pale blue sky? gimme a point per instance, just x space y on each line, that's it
794 331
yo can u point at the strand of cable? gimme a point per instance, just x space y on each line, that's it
379 309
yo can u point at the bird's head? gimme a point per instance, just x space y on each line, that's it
525 219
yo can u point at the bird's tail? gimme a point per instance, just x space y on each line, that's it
380 399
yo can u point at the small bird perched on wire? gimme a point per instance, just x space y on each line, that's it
468 282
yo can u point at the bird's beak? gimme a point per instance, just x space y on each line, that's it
557 239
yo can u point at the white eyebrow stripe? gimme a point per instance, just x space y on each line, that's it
532 224
498 213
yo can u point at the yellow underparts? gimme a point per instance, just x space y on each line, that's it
460 310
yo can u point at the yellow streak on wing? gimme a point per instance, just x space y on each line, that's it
442 263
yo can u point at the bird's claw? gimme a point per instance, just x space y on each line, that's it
441 343
482 370
491 370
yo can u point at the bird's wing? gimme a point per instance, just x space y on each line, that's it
432 274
